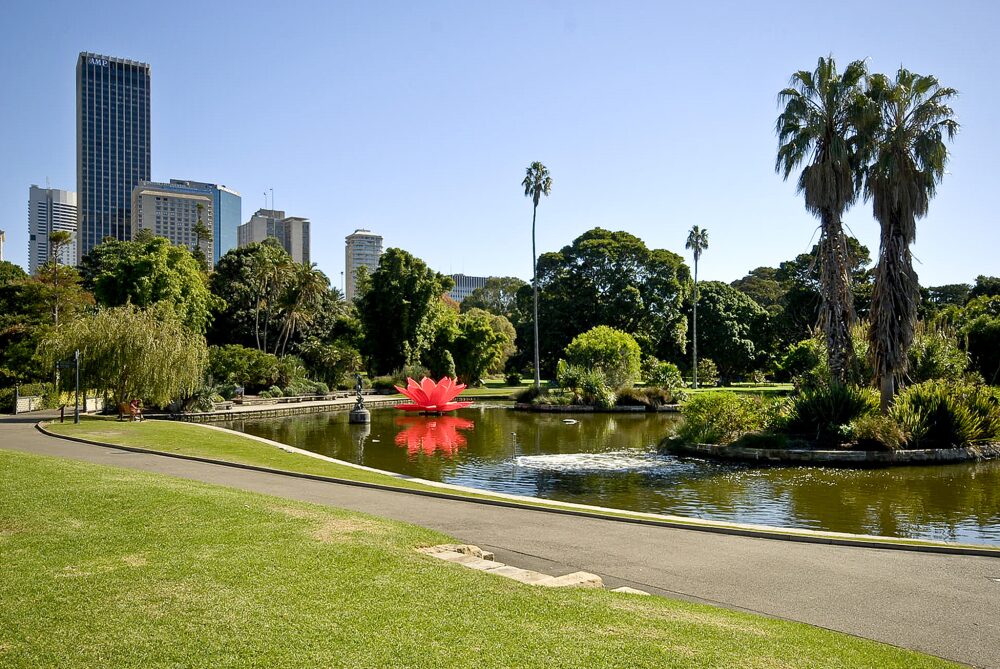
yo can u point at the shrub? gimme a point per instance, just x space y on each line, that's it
649 397
664 375
290 370
588 386
613 353
528 394
384 382
938 414
723 417
708 373
512 378
265 394
822 412
275 391
321 388
935 354
877 432
234 364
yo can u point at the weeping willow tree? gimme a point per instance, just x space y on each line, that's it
133 353
911 121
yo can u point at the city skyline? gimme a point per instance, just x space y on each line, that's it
625 89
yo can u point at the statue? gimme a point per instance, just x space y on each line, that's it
359 414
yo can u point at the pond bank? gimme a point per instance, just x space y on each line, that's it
831 458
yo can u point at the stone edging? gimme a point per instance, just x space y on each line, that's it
565 508
798 456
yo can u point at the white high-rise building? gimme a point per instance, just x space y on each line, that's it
464 285
292 232
363 249
50 210
173 211
3 238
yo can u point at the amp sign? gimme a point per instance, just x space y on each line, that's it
103 62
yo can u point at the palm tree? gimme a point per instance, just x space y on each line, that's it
301 301
537 183
912 119
819 124
697 241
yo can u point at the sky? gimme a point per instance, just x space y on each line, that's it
416 120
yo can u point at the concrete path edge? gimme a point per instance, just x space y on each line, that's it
746 531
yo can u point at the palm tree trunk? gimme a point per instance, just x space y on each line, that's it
534 285
694 334
894 309
836 315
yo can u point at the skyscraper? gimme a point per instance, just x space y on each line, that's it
112 145
50 210
292 232
363 249
173 211
227 206
3 238
464 285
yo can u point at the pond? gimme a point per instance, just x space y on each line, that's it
611 460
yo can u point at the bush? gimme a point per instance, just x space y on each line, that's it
649 397
384 382
935 354
708 373
664 375
291 369
239 365
275 391
588 386
877 432
613 353
723 417
265 394
528 394
512 379
937 414
823 412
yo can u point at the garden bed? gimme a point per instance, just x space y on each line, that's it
587 408
836 458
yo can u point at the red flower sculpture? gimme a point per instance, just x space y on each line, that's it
432 397
429 435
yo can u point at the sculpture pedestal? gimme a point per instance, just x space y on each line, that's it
359 416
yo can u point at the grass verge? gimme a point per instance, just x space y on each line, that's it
108 567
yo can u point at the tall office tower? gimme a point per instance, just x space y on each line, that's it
228 207
292 232
464 285
363 249
112 145
172 211
3 238
50 210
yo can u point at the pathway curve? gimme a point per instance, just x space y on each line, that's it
939 604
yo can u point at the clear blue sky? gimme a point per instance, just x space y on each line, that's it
417 119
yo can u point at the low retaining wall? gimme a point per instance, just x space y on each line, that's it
276 411
793 456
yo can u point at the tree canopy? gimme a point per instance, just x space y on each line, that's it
147 273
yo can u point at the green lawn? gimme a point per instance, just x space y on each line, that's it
107 567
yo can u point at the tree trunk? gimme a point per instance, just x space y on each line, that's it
836 314
694 333
534 286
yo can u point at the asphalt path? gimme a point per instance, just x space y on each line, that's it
944 605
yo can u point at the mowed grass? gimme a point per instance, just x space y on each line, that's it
103 567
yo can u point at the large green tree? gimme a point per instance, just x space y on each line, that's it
537 183
497 296
818 126
479 346
911 121
395 306
154 272
610 278
734 330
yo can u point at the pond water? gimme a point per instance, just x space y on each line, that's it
611 460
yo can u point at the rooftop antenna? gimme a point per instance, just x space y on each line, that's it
272 200
265 199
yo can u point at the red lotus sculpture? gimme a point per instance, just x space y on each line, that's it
430 435
431 397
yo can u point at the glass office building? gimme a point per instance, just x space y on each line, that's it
227 209
112 145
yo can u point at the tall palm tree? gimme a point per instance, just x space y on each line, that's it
301 301
537 183
912 119
697 241
819 125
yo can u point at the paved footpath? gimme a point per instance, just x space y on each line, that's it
939 604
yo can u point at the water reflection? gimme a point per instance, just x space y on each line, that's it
427 435
610 460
